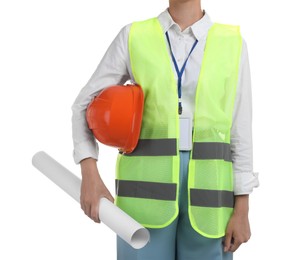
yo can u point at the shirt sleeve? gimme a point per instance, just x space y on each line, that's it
241 133
113 69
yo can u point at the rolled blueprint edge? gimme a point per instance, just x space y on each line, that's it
117 220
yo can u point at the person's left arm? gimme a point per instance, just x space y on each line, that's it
238 229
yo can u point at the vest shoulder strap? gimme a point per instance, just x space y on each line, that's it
225 29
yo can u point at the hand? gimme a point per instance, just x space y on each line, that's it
238 229
92 189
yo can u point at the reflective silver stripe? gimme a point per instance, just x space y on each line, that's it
147 190
211 198
211 151
155 147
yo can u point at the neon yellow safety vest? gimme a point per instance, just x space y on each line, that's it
147 179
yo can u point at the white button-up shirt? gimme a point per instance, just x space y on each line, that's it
115 68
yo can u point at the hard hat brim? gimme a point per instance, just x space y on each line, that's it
138 104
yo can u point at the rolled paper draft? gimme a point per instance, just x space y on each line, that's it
122 224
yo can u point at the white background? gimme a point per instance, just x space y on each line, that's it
49 49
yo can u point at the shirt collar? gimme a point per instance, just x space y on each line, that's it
199 28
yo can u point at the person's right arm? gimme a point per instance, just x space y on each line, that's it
92 189
113 69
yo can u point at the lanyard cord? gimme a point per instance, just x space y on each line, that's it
179 72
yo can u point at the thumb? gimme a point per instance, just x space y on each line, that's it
109 197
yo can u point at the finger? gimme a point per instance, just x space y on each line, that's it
81 205
228 240
95 213
235 245
87 209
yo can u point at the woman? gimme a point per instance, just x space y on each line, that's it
204 222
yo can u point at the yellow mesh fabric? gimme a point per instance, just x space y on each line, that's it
152 70
151 66
212 122
210 221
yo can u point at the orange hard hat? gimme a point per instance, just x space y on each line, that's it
115 116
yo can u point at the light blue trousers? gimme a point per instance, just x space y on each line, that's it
178 241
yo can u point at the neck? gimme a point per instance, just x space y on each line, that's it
185 12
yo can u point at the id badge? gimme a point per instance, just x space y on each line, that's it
185 140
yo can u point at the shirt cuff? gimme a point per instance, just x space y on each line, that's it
244 182
86 149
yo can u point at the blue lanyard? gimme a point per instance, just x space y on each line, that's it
179 72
